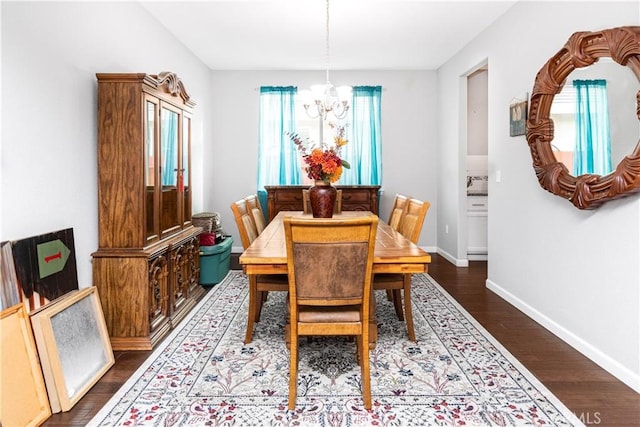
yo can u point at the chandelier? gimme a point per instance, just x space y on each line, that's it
320 100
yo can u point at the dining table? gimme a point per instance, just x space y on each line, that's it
267 254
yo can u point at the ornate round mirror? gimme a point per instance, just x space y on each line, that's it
589 189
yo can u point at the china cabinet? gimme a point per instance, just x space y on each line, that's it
147 264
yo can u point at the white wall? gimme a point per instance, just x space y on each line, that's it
576 272
408 136
50 54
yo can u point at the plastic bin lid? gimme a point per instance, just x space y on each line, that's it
217 248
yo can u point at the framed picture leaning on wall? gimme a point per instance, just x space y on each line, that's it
73 343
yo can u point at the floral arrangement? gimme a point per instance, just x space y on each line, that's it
323 163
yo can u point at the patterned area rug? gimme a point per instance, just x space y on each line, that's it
456 374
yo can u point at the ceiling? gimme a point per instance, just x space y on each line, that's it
291 34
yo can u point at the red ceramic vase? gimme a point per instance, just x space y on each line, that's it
322 197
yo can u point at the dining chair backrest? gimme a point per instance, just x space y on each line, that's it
413 219
397 211
330 259
338 206
244 222
306 202
255 209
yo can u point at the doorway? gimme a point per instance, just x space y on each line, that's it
477 175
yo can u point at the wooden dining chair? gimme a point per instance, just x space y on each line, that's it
410 227
254 207
261 284
306 202
330 264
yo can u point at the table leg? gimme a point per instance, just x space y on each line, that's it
252 312
408 315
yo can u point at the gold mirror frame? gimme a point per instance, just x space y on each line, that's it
622 44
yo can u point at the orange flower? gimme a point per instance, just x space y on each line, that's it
337 174
317 156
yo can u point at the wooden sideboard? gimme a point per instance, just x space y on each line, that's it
289 198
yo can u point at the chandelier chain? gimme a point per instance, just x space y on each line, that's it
326 98
327 40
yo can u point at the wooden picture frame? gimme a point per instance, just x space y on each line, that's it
73 344
518 118
23 395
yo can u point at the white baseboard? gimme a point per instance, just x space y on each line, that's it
430 249
612 366
452 259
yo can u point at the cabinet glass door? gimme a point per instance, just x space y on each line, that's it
150 169
186 169
169 170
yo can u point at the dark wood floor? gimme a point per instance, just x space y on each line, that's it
594 395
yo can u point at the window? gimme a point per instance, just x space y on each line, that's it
281 111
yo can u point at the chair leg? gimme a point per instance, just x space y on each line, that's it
373 324
407 307
389 295
397 303
363 355
251 315
293 370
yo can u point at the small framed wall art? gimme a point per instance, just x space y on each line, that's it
518 118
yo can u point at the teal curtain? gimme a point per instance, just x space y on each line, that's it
363 151
278 162
592 152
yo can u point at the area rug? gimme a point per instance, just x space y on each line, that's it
455 374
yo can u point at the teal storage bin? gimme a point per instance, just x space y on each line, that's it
214 262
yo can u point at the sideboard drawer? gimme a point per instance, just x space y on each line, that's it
289 195
355 197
